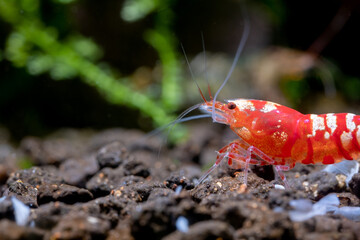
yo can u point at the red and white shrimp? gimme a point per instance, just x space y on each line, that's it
272 134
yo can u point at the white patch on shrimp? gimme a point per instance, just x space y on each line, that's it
281 137
253 123
358 134
345 138
268 107
244 133
326 135
331 122
243 104
349 122
318 123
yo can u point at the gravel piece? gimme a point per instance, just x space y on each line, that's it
48 215
10 230
37 176
108 179
23 191
354 184
112 155
319 184
6 209
52 151
77 171
63 193
79 226
205 230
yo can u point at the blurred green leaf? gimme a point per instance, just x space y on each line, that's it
294 91
39 63
351 87
135 10
62 70
16 49
64 1
25 163
85 47
30 6
171 73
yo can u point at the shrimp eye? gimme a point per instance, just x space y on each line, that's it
231 105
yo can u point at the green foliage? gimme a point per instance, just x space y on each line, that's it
25 163
294 91
275 9
134 10
162 41
352 87
38 48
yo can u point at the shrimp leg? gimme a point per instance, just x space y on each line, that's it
239 153
236 156
279 171
238 144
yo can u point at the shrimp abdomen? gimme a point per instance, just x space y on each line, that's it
328 138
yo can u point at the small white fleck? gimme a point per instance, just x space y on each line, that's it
253 124
182 224
278 186
138 208
326 135
278 209
93 220
178 189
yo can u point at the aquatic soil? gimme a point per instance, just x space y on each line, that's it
115 184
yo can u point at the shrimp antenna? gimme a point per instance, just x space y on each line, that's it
205 75
243 40
191 73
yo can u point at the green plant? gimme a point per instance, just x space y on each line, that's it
37 47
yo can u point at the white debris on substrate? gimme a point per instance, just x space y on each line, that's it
178 189
182 224
304 209
21 211
345 167
278 186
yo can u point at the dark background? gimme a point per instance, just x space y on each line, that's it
38 104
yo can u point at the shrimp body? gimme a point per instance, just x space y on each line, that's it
272 134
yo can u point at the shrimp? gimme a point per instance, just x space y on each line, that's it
273 134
